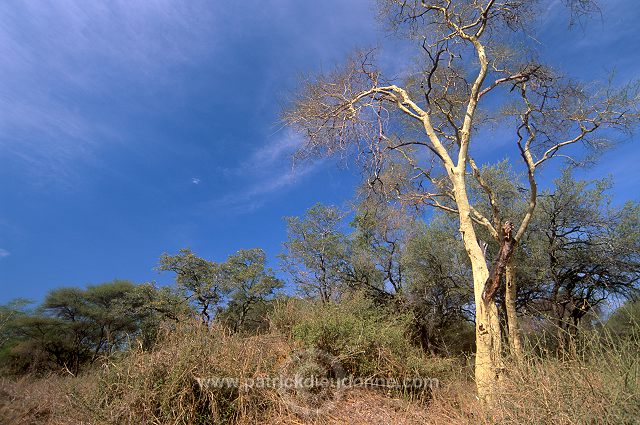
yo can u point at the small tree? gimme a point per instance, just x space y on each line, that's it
589 252
202 281
381 232
625 321
437 275
316 252
74 327
250 284
152 306
8 313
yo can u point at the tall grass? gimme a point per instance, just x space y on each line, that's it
597 382
161 386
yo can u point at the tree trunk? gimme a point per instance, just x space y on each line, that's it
488 364
507 244
515 337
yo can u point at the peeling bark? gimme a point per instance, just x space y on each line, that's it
500 264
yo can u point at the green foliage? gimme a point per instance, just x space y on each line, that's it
200 280
151 306
250 285
8 313
234 290
367 340
438 291
585 251
381 231
316 252
625 320
74 327
503 181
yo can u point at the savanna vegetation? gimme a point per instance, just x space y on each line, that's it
516 296
382 290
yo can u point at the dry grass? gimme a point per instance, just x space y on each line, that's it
48 401
597 384
161 387
45 400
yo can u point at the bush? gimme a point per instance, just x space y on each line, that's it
368 340
162 386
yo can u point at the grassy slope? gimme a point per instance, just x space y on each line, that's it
597 383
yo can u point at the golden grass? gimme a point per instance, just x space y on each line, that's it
599 383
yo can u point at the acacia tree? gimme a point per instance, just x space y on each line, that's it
316 252
74 327
589 252
201 281
464 47
8 313
437 290
381 231
249 284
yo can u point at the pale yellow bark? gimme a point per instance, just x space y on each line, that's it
488 363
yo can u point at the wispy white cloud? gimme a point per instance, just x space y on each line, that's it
4 253
271 154
266 171
67 65
257 194
61 59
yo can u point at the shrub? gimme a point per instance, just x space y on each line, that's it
368 340
162 386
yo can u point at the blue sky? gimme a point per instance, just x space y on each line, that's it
132 128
